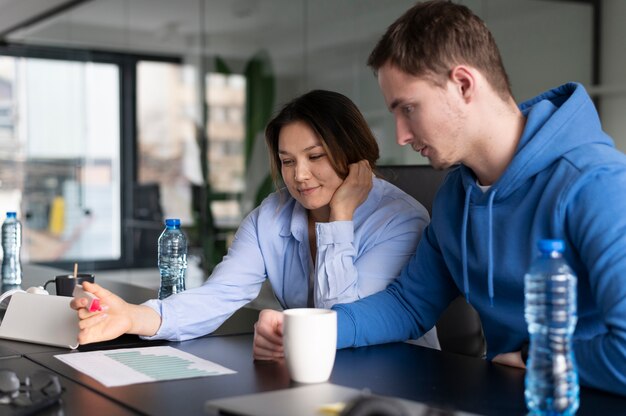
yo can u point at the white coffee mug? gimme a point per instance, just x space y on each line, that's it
310 342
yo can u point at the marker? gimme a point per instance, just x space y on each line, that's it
94 302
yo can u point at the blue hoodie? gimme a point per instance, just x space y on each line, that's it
565 181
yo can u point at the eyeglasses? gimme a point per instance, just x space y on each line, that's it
37 391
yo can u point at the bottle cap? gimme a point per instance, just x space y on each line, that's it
172 222
11 214
546 246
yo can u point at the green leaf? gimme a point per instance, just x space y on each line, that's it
260 94
221 67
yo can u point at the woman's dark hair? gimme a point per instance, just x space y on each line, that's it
337 121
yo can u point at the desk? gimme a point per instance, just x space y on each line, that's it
444 380
35 275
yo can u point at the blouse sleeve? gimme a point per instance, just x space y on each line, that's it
234 282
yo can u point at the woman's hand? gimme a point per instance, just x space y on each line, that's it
268 336
352 193
115 318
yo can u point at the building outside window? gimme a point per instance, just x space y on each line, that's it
60 157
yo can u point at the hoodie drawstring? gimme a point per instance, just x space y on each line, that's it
468 193
490 248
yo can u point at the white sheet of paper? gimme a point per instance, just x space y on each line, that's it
141 365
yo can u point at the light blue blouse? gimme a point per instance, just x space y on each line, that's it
354 259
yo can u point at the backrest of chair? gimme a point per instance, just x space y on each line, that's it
146 224
459 329
419 181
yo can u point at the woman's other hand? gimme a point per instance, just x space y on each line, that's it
353 192
268 336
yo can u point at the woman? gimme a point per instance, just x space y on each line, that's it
336 235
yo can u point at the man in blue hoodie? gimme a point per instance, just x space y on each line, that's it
544 169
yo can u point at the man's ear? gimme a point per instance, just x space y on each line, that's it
464 79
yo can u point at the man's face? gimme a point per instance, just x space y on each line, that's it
428 117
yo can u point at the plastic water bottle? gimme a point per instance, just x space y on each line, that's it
172 258
550 311
11 244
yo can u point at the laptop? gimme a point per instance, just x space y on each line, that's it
309 400
40 319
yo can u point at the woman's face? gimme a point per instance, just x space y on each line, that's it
306 169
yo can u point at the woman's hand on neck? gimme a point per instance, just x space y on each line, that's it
352 193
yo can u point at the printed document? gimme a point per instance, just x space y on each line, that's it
141 365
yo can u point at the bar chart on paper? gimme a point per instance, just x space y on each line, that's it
159 367
141 365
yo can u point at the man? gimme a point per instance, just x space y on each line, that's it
541 170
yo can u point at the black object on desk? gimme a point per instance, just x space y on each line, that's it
30 395
74 399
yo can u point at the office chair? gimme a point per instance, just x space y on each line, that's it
459 328
146 224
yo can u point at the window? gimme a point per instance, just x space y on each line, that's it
171 159
60 157
168 155
226 99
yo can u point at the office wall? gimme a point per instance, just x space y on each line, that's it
543 44
612 91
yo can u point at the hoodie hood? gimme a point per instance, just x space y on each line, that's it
557 122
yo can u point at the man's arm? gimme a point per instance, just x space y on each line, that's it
406 309
596 223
